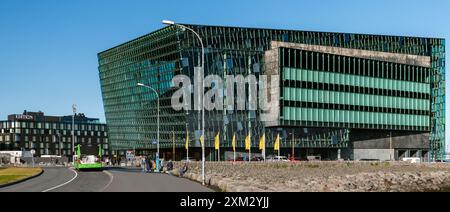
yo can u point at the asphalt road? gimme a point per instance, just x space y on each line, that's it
132 180
110 180
50 178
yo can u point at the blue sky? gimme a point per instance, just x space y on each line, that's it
48 48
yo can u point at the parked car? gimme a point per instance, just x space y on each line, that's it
277 158
314 158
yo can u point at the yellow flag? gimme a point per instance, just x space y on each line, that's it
202 139
262 142
248 142
217 143
233 143
187 140
277 143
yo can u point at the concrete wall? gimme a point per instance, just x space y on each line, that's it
271 117
417 141
373 154
416 60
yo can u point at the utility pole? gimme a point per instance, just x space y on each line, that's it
59 143
74 108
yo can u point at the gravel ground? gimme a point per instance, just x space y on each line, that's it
324 176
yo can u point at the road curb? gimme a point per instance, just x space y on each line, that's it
23 180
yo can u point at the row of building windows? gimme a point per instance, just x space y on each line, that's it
355 89
53 126
65 149
52 139
342 98
356 117
39 145
53 132
354 80
317 61
300 104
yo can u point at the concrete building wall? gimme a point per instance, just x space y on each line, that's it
374 154
416 60
415 141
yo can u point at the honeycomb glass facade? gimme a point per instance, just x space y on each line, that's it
324 96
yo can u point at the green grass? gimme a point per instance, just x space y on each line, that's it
9 175
11 178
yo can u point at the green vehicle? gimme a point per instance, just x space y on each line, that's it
88 157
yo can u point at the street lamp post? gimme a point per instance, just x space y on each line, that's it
157 144
172 23
74 108
59 143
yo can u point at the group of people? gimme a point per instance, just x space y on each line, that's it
148 165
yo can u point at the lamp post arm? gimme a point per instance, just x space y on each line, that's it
199 38
201 96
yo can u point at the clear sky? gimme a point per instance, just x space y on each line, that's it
48 48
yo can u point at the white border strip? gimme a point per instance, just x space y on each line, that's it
59 186
111 176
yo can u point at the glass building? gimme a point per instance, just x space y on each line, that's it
340 95
51 135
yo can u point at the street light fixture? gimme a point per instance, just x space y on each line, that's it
157 145
172 23
74 108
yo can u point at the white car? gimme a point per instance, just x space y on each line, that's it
412 160
278 158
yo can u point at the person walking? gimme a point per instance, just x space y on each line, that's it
149 165
143 164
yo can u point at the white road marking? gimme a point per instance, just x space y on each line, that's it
111 177
59 186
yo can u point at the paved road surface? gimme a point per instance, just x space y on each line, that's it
133 180
50 178
110 180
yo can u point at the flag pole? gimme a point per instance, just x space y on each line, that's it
233 144
187 146
250 148
264 150
279 149
218 149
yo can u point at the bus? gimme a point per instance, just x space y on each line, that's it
88 157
